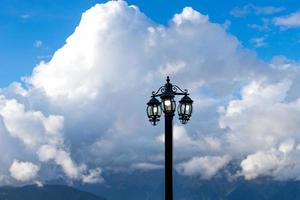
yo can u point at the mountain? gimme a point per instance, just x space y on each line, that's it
47 192
266 190
150 186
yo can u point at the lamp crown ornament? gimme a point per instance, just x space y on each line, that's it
167 94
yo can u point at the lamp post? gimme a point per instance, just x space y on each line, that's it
167 94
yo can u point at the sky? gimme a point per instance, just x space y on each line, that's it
76 77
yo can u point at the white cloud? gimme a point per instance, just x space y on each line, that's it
39 184
31 127
44 57
281 62
151 48
172 68
146 166
89 74
264 26
93 176
281 163
265 127
206 166
288 21
23 171
71 169
184 143
259 42
260 163
39 133
62 158
257 10
267 10
261 119
189 15
227 24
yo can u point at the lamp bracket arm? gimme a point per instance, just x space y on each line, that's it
178 91
159 92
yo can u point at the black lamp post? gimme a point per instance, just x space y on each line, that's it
167 94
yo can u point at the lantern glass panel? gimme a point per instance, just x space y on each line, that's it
181 109
188 109
149 111
156 110
169 105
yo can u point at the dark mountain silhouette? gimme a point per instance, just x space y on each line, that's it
47 192
150 186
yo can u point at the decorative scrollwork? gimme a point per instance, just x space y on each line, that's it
162 89
175 88
169 88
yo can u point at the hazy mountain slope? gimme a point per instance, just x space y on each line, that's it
48 192
150 186
266 190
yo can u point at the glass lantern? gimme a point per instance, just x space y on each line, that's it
154 110
168 103
185 109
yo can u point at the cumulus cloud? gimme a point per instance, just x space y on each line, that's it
96 76
23 171
62 158
281 163
260 163
189 15
31 127
84 110
187 145
39 133
265 127
205 167
261 119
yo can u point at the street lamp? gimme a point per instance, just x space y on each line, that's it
167 94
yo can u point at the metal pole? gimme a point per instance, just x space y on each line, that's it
169 156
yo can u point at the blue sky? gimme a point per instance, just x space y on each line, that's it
24 23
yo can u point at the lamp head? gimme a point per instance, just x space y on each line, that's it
185 109
154 110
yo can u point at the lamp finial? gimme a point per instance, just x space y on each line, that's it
168 79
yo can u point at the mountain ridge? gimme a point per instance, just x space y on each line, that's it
150 186
46 192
